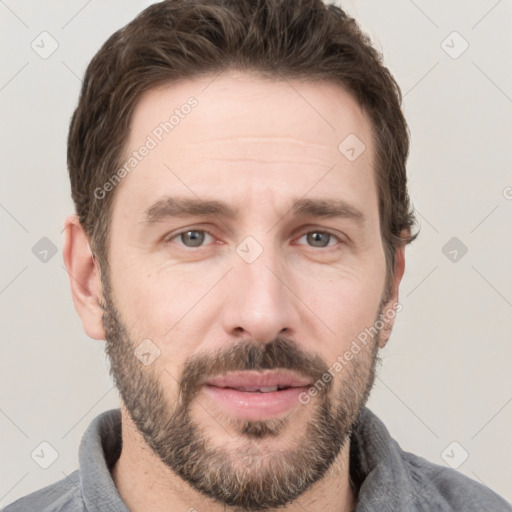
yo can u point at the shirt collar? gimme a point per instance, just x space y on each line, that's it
99 450
377 467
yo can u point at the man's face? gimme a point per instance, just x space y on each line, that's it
269 290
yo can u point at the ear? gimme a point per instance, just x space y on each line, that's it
392 307
84 277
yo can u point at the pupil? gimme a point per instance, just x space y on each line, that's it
318 239
195 238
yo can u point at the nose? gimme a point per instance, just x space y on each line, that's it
260 303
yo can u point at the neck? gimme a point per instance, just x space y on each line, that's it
144 482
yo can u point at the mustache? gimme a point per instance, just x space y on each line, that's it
280 353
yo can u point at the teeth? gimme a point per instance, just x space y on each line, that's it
266 390
262 389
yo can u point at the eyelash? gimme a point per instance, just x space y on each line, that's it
176 235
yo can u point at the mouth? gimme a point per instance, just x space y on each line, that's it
256 396
266 389
263 382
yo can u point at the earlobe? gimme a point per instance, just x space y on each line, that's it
84 278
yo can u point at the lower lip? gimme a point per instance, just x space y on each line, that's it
255 406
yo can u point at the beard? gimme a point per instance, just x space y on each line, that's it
243 473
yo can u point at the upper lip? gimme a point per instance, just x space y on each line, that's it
252 379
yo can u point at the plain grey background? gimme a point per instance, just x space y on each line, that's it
445 388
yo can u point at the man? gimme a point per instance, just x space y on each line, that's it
238 172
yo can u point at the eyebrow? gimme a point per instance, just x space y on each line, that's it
327 208
185 207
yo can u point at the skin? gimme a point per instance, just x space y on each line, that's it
259 145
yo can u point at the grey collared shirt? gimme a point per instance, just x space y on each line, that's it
389 479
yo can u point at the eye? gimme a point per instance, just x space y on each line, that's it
320 238
192 237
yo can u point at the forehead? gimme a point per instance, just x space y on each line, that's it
239 132
319 111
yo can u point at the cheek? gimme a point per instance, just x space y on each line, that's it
159 303
346 302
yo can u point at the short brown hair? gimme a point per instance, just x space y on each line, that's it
177 39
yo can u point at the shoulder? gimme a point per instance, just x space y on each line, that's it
391 478
64 495
433 482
